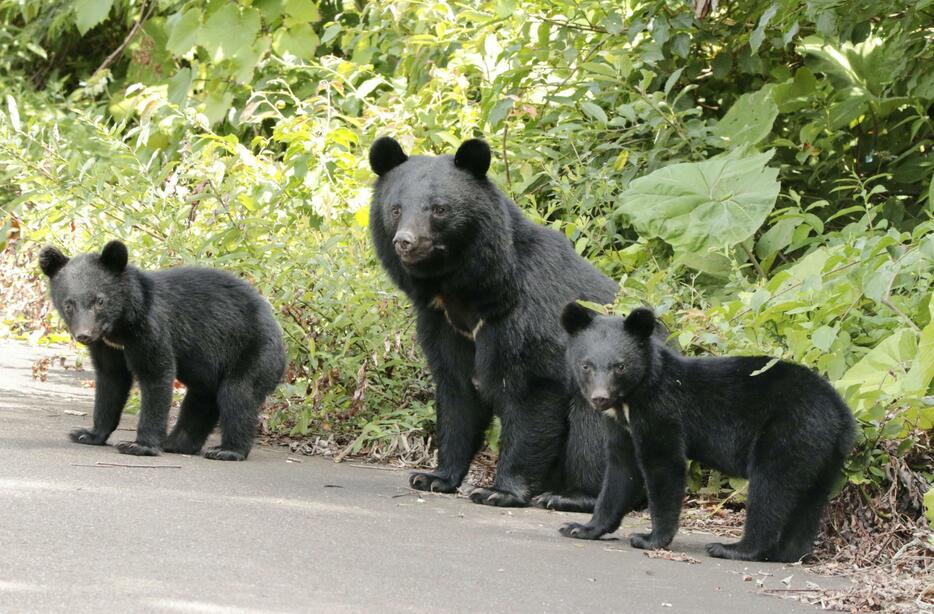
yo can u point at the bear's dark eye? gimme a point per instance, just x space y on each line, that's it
438 210
620 368
100 301
395 211
585 367
68 308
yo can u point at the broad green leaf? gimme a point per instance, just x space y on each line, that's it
795 94
749 120
179 86
245 60
228 30
884 367
299 41
216 102
921 372
758 35
300 12
777 238
183 31
868 65
697 207
824 337
89 13
594 111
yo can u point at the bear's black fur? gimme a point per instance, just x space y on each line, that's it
207 328
488 286
785 429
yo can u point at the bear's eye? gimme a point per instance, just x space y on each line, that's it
438 210
68 308
100 301
395 211
585 367
619 368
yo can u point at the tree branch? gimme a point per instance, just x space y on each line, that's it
146 10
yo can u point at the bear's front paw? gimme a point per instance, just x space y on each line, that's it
137 449
548 500
581 531
222 454
648 541
88 437
432 482
499 498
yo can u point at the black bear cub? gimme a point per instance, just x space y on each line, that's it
206 328
781 426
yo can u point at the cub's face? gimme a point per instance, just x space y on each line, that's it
87 290
430 207
608 357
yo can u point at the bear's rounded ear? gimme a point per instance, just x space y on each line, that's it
576 318
114 256
385 155
51 260
641 322
473 156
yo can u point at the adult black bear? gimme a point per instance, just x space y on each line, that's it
784 428
207 328
488 286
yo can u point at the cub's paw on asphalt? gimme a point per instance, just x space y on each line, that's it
581 531
499 498
180 445
548 500
174 448
646 541
431 482
222 454
137 449
723 551
87 436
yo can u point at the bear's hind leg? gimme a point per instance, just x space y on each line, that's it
197 418
769 506
801 529
239 407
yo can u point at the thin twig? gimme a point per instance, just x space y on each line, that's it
505 154
755 262
145 11
574 26
376 467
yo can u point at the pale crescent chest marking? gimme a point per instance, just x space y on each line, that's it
110 343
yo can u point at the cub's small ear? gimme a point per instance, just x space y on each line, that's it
641 322
385 155
114 256
51 260
473 156
576 318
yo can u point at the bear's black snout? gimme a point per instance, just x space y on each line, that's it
403 241
84 339
411 249
600 401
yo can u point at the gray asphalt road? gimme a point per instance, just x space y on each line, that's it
269 535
